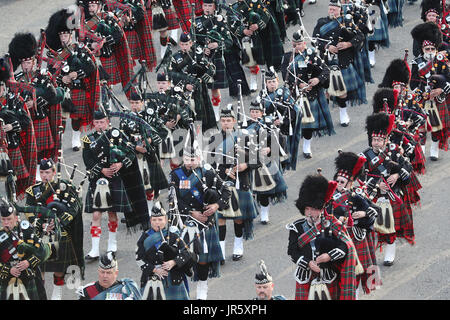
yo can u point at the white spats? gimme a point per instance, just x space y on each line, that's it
389 255
202 290
372 58
112 241
343 116
434 150
264 214
57 292
76 141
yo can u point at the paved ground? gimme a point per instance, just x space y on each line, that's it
419 272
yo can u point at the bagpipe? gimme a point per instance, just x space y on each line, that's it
134 10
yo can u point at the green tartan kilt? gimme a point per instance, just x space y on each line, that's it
118 195
246 205
323 124
66 256
179 292
220 78
158 179
30 286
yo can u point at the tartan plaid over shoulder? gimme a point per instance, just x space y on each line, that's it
347 275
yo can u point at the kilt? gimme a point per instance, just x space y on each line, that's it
20 169
365 257
183 11
351 78
249 212
381 33
272 46
135 45
118 195
412 195
30 286
323 124
220 77
66 257
359 68
171 18
80 101
175 292
404 227
214 254
44 138
234 72
372 246
395 15
443 135
419 160
112 68
302 290
158 179
277 194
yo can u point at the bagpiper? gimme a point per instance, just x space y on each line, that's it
380 35
229 153
108 286
307 76
211 33
75 69
46 113
431 11
260 37
137 28
200 192
387 173
320 247
350 205
192 70
339 39
22 253
115 182
65 228
429 74
268 183
115 55
164 258
19 132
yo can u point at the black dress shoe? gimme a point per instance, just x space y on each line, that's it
307 155
222 262
76 149
88 258
433 158
264 222
388 263
237 257
123 220
344 124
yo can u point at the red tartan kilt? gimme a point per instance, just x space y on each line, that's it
404 227
183 10
412 195
443 134
43 134
419 160
302 290
172 19
363 250
80 101
20 170
134 44
111 67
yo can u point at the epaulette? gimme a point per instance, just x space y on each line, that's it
30 188
293 226
80 290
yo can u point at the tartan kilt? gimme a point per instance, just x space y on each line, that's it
366 63
365 257
172 19
65 257
80 101
372 246
443 135
220 77
412 195
135 45
158 179
419 160
302 290
381 32
118 195
395 15
175 292
272 46
30 286
234 71
183 11
20 169
351 78
111 67
43 134
323 124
